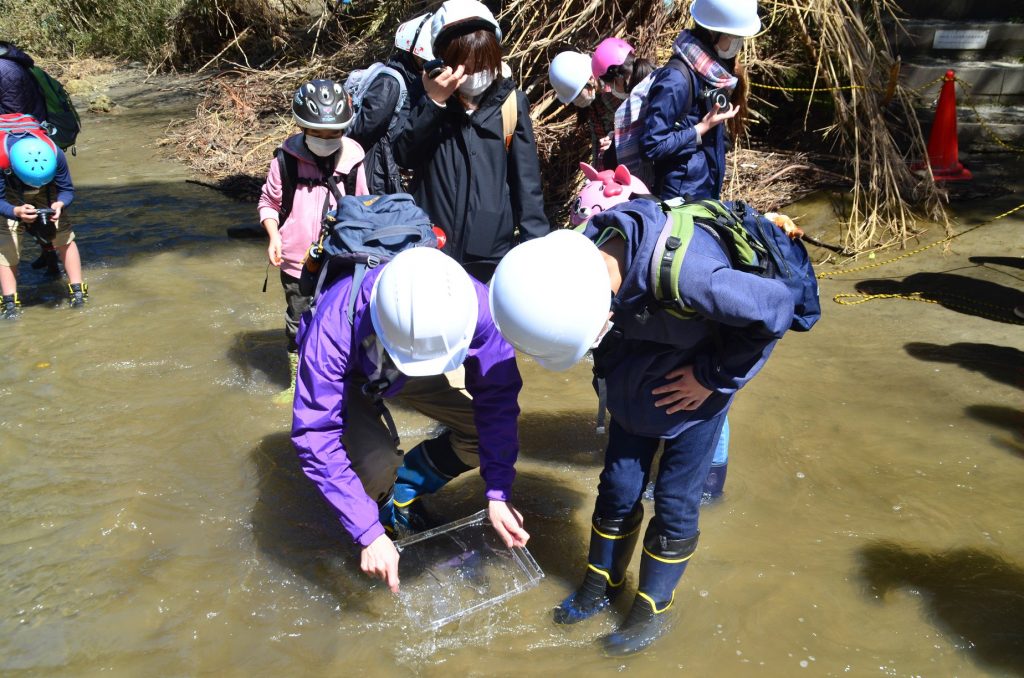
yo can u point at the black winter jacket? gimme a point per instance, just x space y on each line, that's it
373 130
466 181
19 92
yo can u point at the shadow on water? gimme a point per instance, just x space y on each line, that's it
294 526
1005 418
970 593
958 293
1001 364
117 224
262 351
563 437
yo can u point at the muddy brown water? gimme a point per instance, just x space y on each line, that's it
154 521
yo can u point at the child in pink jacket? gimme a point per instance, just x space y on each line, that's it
297 194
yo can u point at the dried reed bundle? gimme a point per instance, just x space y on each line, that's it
824 43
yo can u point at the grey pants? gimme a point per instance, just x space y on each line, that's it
373 454
295 305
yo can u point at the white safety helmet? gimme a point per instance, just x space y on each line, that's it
550 298
464 16
414 37
735 17
424 310
569 73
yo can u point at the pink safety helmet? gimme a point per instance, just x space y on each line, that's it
609 52
604 190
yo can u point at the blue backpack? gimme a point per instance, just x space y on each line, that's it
362 233
754 244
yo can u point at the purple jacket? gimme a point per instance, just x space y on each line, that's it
333 352
19 92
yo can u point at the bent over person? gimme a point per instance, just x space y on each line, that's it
410 325
669 380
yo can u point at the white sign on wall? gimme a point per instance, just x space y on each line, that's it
974 39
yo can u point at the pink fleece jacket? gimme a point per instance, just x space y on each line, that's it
303 224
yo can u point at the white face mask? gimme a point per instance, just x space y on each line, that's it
584 98
322 147
734 48
619 94
477 83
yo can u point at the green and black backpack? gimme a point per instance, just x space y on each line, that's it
754 245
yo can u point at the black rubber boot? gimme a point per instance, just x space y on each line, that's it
611 547
79 294
661 566
10 306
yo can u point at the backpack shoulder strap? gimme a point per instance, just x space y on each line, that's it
289 170
351 177
669 252
509 117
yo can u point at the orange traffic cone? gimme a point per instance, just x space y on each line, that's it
943 152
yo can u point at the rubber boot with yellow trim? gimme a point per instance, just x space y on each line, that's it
287 396
10 306
661 566
612 541
79 293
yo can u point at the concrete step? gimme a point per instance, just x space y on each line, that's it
990 82
986 129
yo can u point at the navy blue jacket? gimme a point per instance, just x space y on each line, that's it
14 193
742 316
19 91
681 166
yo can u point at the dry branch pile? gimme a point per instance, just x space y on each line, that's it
827 44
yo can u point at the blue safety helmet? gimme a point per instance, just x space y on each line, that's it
33 161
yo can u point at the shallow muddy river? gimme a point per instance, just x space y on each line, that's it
154 519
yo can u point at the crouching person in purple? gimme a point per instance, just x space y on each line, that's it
412 324
669 380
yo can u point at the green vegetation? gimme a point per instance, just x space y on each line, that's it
123 29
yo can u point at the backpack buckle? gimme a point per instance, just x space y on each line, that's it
372 261
673 243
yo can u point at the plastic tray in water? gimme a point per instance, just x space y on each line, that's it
460 568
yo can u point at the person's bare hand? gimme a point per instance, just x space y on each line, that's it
58 209
716 116
380 559
604 143
508 523
439 89
26 213
274 250
683 392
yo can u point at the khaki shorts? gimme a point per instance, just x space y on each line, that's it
368 442
12 232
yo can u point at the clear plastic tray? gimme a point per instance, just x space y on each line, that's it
460 568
